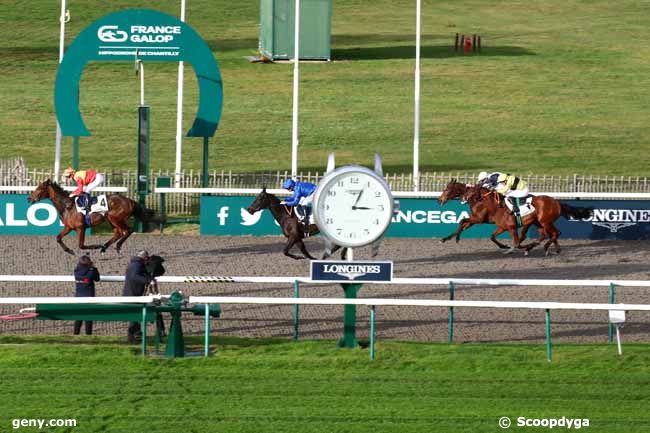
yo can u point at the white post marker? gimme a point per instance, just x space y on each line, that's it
57 145
416 109
617 318
179 114
296 62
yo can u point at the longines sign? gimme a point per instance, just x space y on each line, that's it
18 217
328 270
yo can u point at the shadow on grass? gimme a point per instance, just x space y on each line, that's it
427 52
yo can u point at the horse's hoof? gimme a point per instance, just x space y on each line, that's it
443 240
69 251
510 250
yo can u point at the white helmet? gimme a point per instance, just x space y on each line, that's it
482 176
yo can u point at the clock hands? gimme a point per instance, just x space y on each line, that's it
358 198
354 206
361 208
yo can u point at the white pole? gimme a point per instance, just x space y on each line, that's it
416 127
618 340
179 114
141 67
59 135
296 62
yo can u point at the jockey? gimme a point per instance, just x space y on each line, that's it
86 181
303 195
507 185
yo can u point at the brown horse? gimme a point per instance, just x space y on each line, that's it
120 209
488 207
292 228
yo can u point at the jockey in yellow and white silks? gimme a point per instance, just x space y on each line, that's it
506 184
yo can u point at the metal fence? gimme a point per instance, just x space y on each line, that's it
14 172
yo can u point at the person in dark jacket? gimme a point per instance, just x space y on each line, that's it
85 275
135 283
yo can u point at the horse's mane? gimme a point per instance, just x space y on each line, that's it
274 200
58 188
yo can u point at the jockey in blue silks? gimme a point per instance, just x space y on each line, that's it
303 195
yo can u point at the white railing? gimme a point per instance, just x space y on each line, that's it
374 303
67 188
82 300
189 279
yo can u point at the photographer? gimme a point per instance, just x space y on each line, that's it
135 282
85 275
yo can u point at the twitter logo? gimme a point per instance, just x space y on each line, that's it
249 219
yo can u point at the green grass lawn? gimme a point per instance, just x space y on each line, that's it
562 87
311 386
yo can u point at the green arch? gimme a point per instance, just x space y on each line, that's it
156 37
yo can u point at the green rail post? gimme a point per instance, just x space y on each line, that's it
450 338
75 152
144 329
372 332
157 337
610 330
296 309
205 162
163 182
349 339
549 354
206 341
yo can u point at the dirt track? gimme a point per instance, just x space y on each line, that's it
190 255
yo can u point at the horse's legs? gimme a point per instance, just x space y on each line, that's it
496 233
303 249
59 239
463 224
455 233
515 240
81 234
288 246
554 233
118 246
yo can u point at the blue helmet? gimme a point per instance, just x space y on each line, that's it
289 183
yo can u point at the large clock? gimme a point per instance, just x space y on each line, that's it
353 206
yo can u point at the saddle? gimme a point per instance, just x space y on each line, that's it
525 205
97 204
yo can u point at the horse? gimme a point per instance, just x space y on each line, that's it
488 206
286 217
119 210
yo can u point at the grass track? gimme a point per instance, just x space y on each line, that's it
565 78
310 386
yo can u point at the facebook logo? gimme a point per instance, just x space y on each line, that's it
222 215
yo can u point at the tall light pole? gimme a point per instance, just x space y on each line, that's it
57 146
296 62
416 123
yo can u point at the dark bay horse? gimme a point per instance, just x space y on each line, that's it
120 209
488 207
292 228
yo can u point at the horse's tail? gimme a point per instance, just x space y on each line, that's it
574 212
147 215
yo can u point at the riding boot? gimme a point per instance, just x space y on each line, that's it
87 207
515 209
305 221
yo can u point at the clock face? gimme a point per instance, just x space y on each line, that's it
353 206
